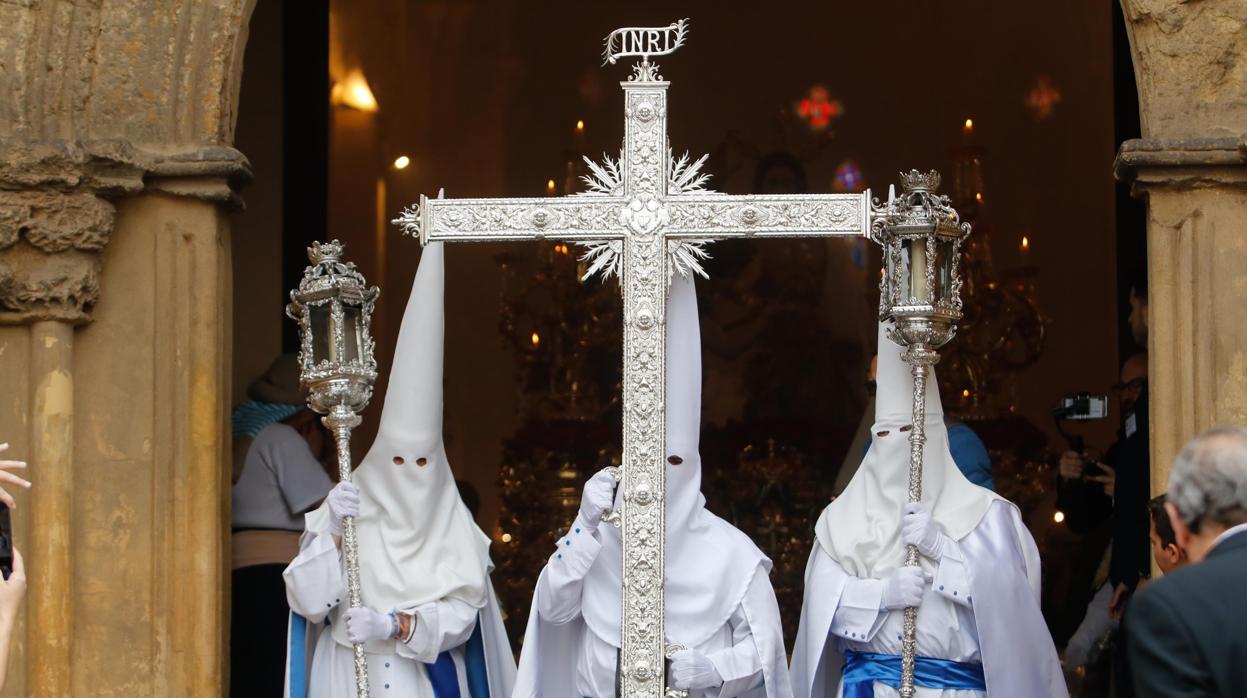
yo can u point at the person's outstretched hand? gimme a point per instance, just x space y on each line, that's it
9 478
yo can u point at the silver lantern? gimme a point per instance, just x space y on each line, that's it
920 292
333 306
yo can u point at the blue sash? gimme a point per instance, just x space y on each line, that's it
863 669
445 679
297 662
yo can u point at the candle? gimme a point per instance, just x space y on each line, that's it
536 339
550 188
580 136
918 270
968 129
1026 247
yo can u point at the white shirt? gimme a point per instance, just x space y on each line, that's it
280 481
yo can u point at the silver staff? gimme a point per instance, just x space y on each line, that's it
920 292
333 306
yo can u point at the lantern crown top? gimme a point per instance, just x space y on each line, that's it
330 275
325 252
915 181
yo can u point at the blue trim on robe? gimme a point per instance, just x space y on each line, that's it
863 669
296 664
445 679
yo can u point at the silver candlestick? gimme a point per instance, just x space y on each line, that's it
333 306
920 292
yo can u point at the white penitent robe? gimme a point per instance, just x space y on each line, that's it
982 606
316 590
564 658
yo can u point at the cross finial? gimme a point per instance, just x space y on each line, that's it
644 42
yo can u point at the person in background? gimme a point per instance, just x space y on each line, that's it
969 452
1165 549
280 478
13 589
1117 487
1169 556
1185 635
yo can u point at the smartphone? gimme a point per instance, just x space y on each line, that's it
6 542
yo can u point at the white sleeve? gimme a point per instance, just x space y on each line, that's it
952 578
558 600
440 626
859 614
314 582
739 665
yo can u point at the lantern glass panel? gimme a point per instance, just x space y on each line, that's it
945 260
352 333
323 348
890 271
916 252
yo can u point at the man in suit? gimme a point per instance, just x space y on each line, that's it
1184 633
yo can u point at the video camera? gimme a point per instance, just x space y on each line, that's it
1080 407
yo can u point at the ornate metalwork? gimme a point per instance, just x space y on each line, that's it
645 216
339 384
643 42
924 315
672 649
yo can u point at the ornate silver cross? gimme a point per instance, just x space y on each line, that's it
644 217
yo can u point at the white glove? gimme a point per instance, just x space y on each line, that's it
919 529
597 499
903 589
365 625
343 501
693 671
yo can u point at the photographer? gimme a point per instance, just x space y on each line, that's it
1116 487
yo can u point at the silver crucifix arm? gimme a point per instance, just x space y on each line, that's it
574 219
721 216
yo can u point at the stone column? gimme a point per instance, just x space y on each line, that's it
116 176
52 228
114 267
52 447
1191 167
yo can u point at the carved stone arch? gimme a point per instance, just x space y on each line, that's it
117 172
1191 168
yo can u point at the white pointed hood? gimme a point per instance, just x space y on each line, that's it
417 541
861 529
709 563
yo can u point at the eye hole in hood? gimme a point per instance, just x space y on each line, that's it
398 460
675 460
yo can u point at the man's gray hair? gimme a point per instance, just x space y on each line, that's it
1208 482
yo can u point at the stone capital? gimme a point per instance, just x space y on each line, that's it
1182 163
57 212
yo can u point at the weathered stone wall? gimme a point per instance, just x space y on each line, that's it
116 176
1190 60
1191 166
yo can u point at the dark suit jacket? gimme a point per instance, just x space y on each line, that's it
1186 633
